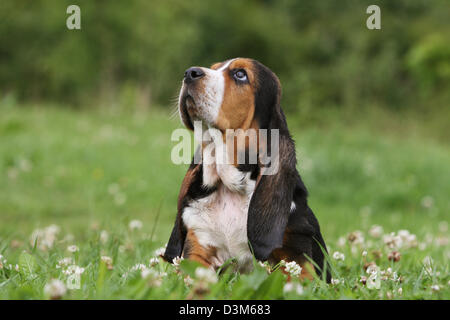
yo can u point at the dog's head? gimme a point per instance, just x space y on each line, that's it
236 94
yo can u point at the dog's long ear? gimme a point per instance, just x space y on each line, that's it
176 242
270 205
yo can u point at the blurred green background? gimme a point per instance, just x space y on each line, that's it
85 114
135 51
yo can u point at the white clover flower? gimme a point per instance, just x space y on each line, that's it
428 261
372 268
138 266
206 275
443 226
145 273
135 225
293 268
154 278
73 269
435 288
104 236
341 242
373 282
160 251
409 240
153 262
427 202
177 260
265 265
336 281
45 238
441 241
55 289
289 287
338 256
376 231
73 248
188 281
107 260
64 263
400 291
364 253
393 241
356 237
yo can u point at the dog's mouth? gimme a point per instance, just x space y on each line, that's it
187 109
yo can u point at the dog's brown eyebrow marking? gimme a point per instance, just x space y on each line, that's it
217 65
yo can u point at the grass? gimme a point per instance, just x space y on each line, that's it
93 173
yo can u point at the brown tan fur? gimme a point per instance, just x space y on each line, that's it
195 251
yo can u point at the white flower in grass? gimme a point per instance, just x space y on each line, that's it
341 241
160 251
64 263
364 253
338 256
55 289
73 269
107 260
16 268
400 291
373 282
45 238
427 202
177 260
135 225
435 288
356 237
2 261
409 240
73 248
372 268
188 281
428 264
293 268
265 265
376 231
153 277
443 226
146 273
206 275
393 241
104 236
153 262
336 281
138 266
290 287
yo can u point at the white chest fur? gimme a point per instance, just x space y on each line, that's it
220 219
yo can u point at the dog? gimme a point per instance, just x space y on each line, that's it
233 210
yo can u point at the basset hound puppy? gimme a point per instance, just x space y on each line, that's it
234 209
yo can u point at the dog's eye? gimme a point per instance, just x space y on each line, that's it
240 75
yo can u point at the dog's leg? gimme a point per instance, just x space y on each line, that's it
193 250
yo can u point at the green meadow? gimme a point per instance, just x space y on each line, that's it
86 184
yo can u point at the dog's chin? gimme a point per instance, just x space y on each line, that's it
189 112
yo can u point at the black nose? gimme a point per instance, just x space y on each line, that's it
193 74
